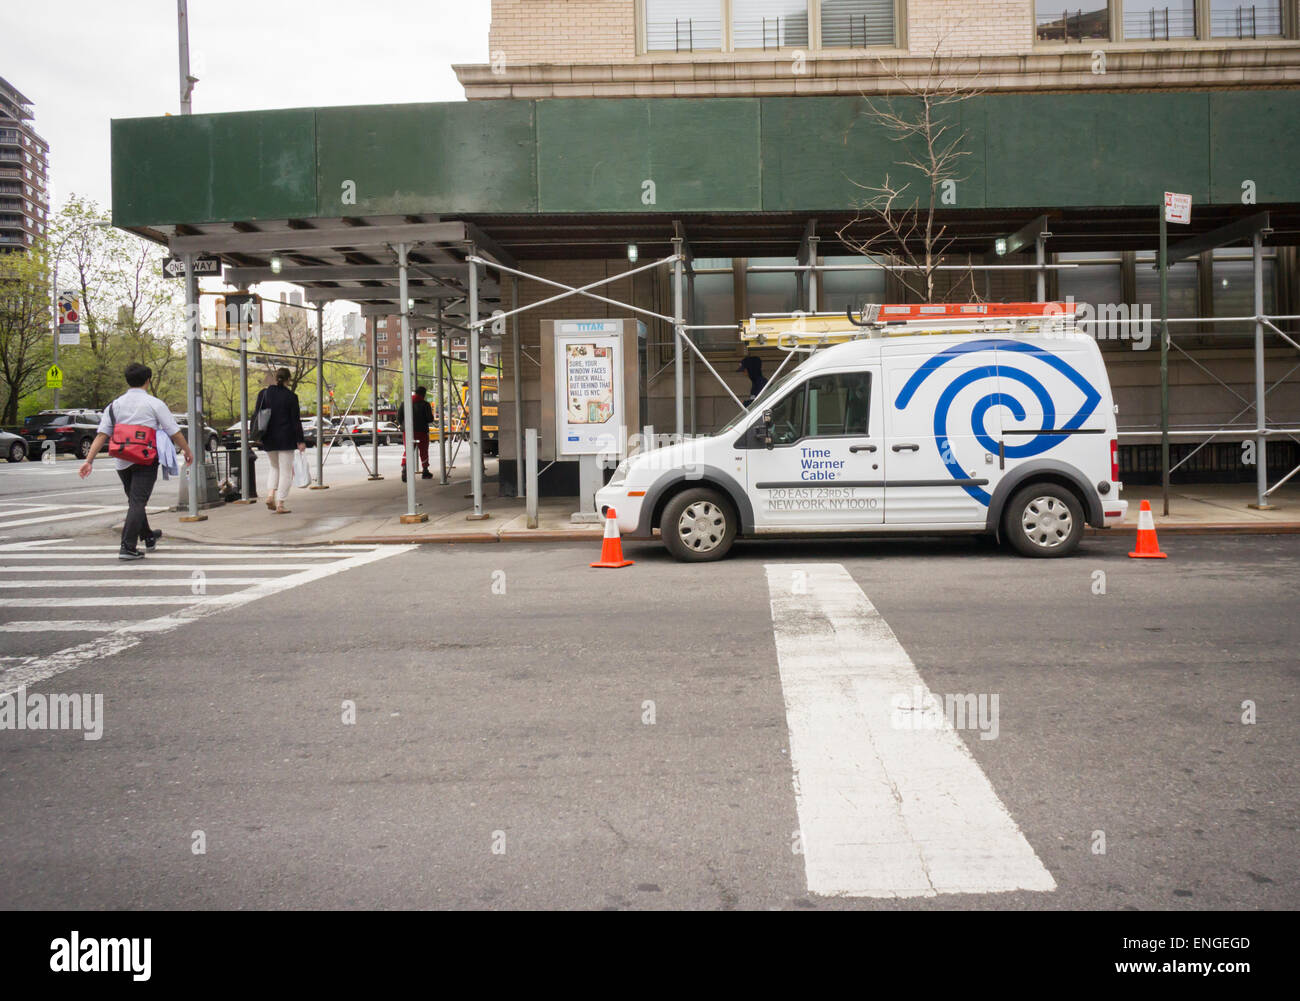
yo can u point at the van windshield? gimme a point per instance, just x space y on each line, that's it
774 387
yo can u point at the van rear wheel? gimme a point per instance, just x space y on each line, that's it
1043 520
698 525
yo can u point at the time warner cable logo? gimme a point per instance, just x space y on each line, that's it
102 955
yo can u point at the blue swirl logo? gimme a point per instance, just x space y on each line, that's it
1037 445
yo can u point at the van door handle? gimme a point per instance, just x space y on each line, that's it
862 448
907 448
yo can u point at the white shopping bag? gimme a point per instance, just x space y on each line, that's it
301 471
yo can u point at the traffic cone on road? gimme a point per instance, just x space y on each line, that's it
611 546
1147 546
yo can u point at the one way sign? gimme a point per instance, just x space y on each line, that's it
174 267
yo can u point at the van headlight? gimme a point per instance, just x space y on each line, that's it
620 474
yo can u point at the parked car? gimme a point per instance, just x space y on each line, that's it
389 433
12 446
309 429
212 438
69 432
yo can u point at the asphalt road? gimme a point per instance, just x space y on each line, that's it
502 756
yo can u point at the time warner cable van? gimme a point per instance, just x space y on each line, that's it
994 419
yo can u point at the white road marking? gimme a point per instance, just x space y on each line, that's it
169 554
32 670
186 581
89 626
883 811
144 566
101 510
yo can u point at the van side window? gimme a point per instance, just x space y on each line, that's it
838 404
787 417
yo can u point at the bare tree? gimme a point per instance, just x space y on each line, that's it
898 217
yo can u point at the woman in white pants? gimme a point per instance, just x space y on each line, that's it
283 434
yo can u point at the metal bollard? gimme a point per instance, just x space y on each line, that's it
530 461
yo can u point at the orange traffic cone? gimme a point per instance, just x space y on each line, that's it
1147 546
611 546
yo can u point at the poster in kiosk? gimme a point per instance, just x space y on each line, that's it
590 413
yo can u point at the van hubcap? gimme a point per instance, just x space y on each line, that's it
702 526
1047 522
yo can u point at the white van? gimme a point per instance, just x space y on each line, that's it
1009 435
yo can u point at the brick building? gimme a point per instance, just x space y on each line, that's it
745 133
24 172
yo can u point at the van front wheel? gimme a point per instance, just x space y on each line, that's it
1044 520
698 525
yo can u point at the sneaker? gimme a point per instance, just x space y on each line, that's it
130 554
426 475
151 543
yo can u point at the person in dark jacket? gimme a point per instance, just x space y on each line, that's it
421 417
283 434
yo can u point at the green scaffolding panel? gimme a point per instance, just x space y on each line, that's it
1255 137
427 158
653 155
1056 150
824 153
214 168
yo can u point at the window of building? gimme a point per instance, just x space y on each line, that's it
848 24
714 302
1234 19
1098 281
771 291
381 336
1232 287
769 24
1183 291
1159 20
683 25
841 289
1057 21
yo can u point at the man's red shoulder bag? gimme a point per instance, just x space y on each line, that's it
133 442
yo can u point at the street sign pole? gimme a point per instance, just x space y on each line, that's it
54 301
1164 360
194 385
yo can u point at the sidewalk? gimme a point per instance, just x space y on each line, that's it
361 511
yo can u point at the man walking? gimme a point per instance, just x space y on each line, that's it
141 411
422 417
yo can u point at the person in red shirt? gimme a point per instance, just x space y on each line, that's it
422 417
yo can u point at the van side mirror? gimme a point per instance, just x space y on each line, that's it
767 417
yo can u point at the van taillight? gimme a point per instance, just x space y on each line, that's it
1114 460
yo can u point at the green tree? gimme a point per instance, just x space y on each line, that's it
26 346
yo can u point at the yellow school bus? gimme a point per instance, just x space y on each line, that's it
490 400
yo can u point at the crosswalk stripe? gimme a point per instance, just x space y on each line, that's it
144 566
884 810
170 554
90 625
31 670
131 582
106 509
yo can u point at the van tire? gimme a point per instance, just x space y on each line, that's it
698 526
1043 520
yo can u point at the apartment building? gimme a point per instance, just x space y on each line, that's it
24 172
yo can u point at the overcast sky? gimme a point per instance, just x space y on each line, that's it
85 62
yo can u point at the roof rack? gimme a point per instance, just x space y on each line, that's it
809 331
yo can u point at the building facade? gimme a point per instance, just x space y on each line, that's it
24 173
